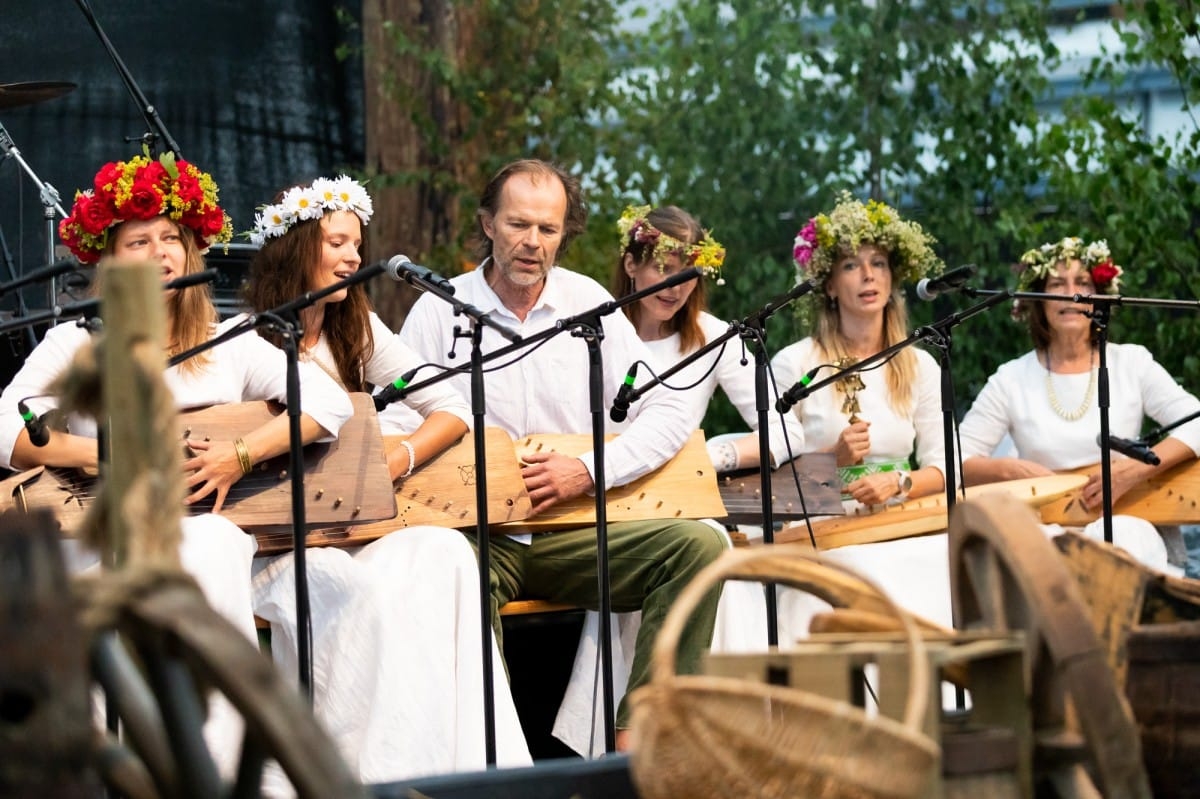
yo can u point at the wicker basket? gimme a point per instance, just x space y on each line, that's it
708 736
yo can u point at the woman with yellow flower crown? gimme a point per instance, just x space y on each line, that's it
397 632
165 211
883 424
1046 399
657 243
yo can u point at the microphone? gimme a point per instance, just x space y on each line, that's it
39 434
399 267
394 390
620 406
953 280
194 279
1138 450
796 392
41 273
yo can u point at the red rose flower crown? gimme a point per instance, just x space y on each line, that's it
143 188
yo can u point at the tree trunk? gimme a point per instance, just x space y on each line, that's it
414 145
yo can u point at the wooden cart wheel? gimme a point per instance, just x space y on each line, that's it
1005 575
180 644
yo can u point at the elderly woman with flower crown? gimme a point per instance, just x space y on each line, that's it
398 635
884 423
1046 399
165 212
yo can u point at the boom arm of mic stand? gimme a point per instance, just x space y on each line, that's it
755 320
149 112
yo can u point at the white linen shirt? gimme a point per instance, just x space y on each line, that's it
239 370
544 389
1015 401
723 368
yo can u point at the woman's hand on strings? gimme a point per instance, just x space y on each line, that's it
214 466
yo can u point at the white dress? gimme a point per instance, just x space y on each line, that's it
913 571
214 551
1016 403
396 628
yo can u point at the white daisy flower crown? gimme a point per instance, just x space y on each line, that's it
299 203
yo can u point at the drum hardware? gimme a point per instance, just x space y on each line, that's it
49 197
15 95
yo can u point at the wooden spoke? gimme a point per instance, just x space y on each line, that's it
1006 575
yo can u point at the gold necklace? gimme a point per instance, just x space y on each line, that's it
1078 413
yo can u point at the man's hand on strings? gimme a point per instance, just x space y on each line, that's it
551 477
213 467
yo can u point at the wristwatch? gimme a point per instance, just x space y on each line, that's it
904 483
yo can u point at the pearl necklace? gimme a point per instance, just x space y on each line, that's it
1078 413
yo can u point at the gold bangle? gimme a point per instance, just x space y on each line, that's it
243 456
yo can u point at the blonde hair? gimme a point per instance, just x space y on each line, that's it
191 314
901 369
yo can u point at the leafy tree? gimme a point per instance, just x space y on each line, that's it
455 89
755 114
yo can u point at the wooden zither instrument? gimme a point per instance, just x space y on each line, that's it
1172 497
924 515
442 492
685 487
345 481
819 482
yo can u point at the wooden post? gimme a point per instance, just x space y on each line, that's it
144 472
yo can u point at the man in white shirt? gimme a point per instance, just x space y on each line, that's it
528 214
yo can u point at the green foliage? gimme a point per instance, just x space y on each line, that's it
754 114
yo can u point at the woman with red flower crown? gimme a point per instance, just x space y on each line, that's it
1046 399
165 212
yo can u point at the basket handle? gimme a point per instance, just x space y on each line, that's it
798 567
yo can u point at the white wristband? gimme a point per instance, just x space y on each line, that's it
412 458
724 456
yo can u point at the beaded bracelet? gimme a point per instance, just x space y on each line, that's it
412 458
243 456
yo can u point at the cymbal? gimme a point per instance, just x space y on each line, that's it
14 95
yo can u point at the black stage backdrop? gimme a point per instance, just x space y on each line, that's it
252 92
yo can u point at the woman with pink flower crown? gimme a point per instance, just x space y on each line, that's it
165 212
396 625
1046 399
884 423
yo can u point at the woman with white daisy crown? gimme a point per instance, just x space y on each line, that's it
1046 399
398 633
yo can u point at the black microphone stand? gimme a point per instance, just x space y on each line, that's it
479 320
1159 433
942 340
153 121
586 325
22 309
283 320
